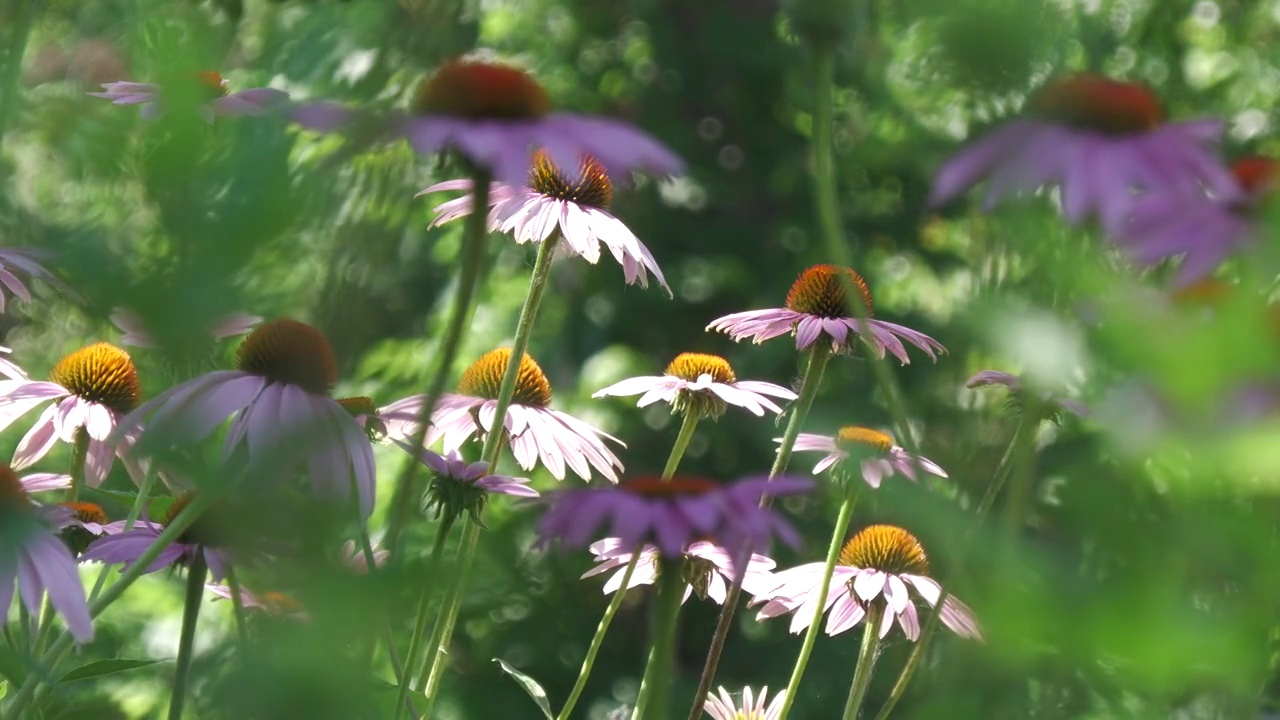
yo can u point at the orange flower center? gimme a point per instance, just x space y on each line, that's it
212 82
820 291
484 378
591 188
655 488
86 512
864 437
887 548
691 366
1094 102
1207 292
290 352
1256 175
359 405
279 602
481 91
101 373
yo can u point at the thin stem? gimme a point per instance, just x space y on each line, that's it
598 640
186 641
810 637
398 667
449 618
237 607
687 427
809 384
420 618
655 687
866 662
79 456
1022 489
475 238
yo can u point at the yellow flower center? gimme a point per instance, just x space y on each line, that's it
654 487
481 91
290 352
865 437
591 188
886 548
820 291
86 512
101 373
484 378
691 366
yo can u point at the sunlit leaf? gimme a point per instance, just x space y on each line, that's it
530 686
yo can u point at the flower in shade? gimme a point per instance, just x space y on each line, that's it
14 260
817 306
458 486
722 706
553 202
1099 140
881 564
34 557
91 389
81 523
702 384
672 514
876 454
1203 230
220 103
355 560
987 378
707 569
367 415
135 331
205 536
536 432
274 603
497 116
280 396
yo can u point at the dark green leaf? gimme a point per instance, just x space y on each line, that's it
99 668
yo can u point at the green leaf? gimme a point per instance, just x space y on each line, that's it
98 668
530 686
13 667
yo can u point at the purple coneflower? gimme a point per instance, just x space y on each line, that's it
816 306
703 384
458 486
274 603
354 559
280 396
877 565
33 556
553 202
1100 140
251 101
536 431
205 536
722 707
987 378
707 569
81 523
23 260
878 458
672 514
135 331
498 117
91 389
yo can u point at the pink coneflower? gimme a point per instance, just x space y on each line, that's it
457 486
536 431
877 456
877 565
723 707
707 569
672 514
280 396
703 384
250 101
205 536
271 602
498 116
34 557
135 331
91 389
553 202
354 559
22 260
1099 140
987 378
817 306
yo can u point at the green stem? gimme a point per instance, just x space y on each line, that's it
449 618
1022 489
237 608
598 640
186 641
79 456
866 662
819 354
687 427
655 687
420 618
810 637
475 239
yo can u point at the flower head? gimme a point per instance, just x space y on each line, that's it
987 378
701 384
707 569
81 523
672 514
1097 139
875 452
817 305
220 103
207 536
722 706
877 565
457 486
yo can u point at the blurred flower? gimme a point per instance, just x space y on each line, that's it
204 536
816 305
1203 230
498 116
367 415
703 384
275 603
878 458
576 208
22 260
536 431
723 707
1099 140
987 378
457 487
33 556
280 396
707 569
876 566
251 101
80 523
135 331
354 558
672 514
91 389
